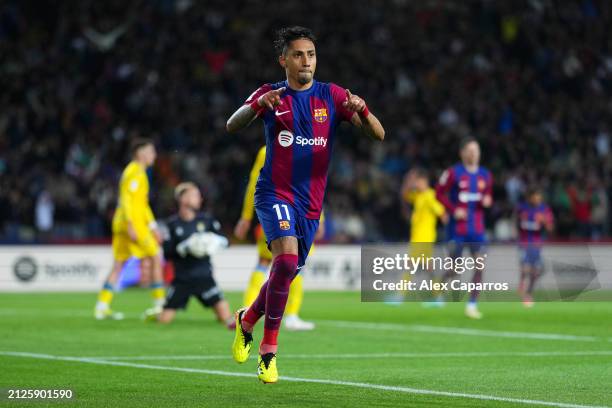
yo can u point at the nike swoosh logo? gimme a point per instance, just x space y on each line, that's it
277 113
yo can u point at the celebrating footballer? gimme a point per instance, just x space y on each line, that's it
300 116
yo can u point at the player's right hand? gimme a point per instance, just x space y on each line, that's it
271 99
132 232
157 235
242 228
460 214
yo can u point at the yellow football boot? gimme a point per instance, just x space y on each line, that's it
107 314
266 368
241 348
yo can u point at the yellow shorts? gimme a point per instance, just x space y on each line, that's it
416 249
262 244
124 248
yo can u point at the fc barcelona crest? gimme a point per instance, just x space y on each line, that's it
320 115
284 225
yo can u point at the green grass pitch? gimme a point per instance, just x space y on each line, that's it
361 354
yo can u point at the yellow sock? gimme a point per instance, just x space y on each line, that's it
158 293
105 297
407 277
257 280
296 296
436 292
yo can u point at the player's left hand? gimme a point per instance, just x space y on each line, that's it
487 200
157 235
132 232
354 103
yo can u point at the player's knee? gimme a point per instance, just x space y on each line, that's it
156 260
285 265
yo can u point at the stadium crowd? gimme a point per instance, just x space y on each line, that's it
531 79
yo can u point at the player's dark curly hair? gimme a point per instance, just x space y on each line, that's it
286 35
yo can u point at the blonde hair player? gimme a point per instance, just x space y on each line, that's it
191 238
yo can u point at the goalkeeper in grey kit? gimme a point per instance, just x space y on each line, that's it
190 238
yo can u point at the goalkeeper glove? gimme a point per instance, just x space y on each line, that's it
184 246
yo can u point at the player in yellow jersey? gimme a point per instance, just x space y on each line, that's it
426 209
291 320
135 231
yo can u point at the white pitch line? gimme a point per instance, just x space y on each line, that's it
371 355
495 333
304 380
456 330
152 358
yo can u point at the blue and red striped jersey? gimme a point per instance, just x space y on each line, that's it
299 141
532 222
458 188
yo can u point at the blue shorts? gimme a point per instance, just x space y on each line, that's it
279 219
475 242
531 256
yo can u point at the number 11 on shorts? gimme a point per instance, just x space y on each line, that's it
277 207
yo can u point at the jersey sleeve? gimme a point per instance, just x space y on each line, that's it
489 188
339 96
436 206
148 213
409 195
169 241
248 204
257 93
447 179
128 190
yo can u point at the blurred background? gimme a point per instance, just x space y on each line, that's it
530 79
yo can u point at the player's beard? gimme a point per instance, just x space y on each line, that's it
304 78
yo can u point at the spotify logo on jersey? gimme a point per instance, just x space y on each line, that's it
285 138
